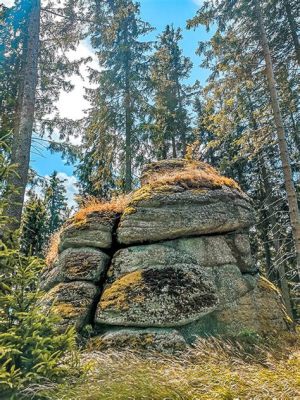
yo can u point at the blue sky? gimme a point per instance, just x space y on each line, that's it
158 13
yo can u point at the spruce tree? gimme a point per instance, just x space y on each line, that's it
238 112
33 226
118 104
55 203
169 68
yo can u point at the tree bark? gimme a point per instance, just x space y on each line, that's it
276 273
277 267
24 117
128 123
284 154
293 28
182 133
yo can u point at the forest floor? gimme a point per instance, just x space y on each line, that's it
213 369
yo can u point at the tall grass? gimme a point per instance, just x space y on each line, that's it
214 369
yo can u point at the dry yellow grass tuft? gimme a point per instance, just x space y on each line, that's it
193 175
52 250
214 370
92 204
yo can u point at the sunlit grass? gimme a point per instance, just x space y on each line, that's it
214 369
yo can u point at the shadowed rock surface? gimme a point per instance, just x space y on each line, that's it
96 230
176 265
86 264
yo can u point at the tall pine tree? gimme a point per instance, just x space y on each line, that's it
171 124
118 104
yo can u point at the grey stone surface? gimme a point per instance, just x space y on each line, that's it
79 264
180 213
72 302
145 282
260 310
95 231
180 266
158 296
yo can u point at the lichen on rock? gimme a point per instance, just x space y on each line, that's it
170 262
95 230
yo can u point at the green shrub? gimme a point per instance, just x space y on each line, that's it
30 346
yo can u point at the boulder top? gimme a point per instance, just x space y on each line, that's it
192 173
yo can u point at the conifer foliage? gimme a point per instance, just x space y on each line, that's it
171 123
247 123
43 215
119 101
30 345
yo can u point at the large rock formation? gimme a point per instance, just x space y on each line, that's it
174 265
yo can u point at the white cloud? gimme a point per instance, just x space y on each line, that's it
71 188
198 2
7 3
72 105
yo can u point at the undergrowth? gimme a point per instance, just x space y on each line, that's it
214 369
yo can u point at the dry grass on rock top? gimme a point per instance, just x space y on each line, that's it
89 206
92 205
193 174
214 369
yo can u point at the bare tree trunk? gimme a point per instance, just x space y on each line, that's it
128 125
293 28
284 155
278 266
276 274
22 135
174 153
128 158
182 133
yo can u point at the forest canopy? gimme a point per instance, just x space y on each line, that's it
146 101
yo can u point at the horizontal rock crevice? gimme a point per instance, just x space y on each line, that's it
176 264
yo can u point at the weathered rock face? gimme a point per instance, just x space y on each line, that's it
177 265
96 230
175 213
84 264
73 302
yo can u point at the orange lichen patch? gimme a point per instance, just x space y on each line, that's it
122 291
92 204
52 250
65 310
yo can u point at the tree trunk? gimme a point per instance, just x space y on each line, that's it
128 123
182 133
174 153
276 274
128 158
24 119
284 155
277 267
293 28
